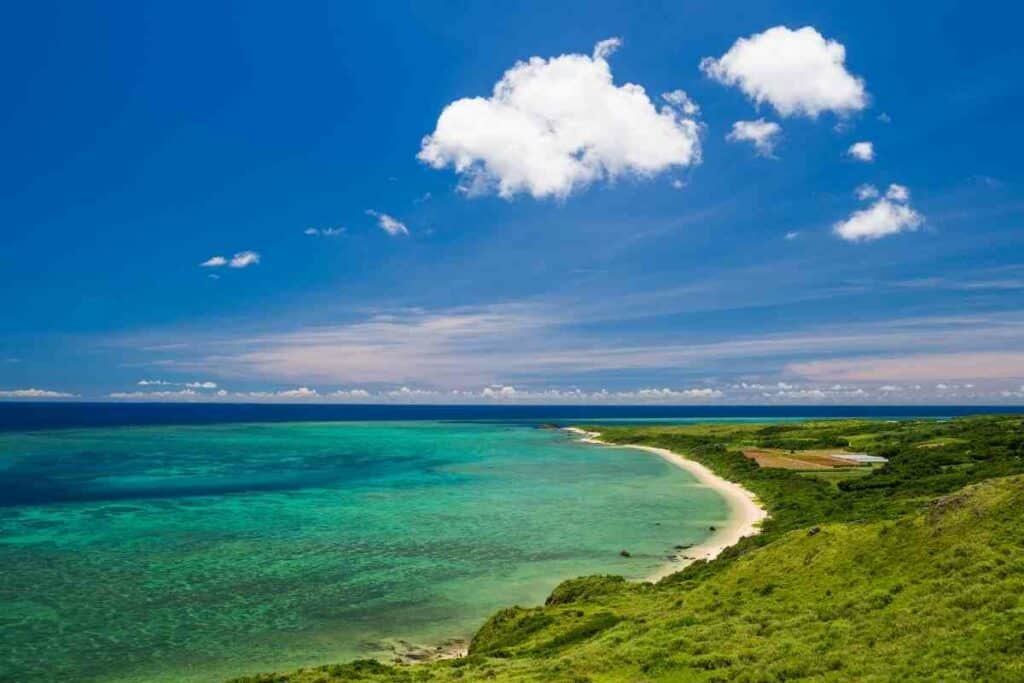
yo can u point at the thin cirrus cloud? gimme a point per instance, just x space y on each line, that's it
955 366
388 224
888 215
797 72
555 126
762 134
454 349
242 259
862 151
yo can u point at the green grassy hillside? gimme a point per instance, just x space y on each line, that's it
913 572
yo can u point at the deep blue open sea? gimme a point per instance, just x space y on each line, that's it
39 415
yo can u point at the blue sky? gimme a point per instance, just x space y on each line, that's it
599 244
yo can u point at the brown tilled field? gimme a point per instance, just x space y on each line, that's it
798 460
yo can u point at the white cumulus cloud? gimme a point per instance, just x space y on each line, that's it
862 151
388 224
763 134
887 216
797 72
214 262
554 126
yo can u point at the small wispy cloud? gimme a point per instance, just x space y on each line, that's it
178 395
682 102
898 193
244 259
300 392
866 191
791 235
34 393
388 224
190 394
165 383
324 232
862 151
761 133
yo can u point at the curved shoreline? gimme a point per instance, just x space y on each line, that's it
746 511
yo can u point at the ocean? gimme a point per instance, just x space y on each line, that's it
197 542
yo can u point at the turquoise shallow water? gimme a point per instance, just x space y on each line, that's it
199 552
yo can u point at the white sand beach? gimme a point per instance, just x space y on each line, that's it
745 520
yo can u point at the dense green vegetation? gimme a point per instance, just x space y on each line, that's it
914 571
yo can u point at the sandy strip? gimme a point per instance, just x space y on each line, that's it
745 520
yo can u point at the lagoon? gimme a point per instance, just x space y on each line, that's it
198 552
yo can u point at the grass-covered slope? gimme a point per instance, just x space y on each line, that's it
914 572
